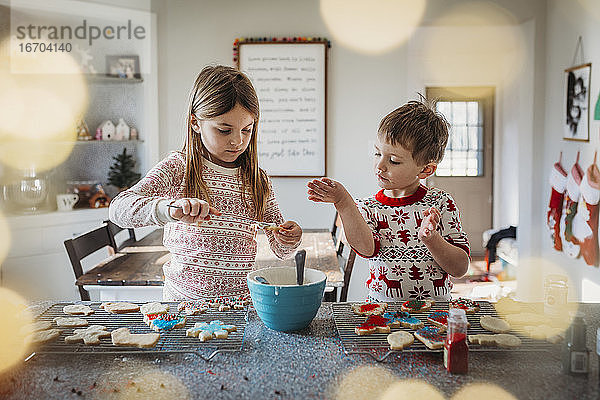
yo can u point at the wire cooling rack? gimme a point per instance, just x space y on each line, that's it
376 345
172 341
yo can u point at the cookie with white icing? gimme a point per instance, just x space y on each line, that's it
164 322
192 307
214 330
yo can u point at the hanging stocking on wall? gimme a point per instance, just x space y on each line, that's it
570 244
585 223
558 180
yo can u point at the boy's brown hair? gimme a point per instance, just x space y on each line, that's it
419 128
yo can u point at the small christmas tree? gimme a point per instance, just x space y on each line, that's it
415 273
121 173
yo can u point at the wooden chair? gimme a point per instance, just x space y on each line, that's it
84 245
346 261
114 229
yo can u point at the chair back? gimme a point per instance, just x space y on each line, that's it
114 229
84 245
346 263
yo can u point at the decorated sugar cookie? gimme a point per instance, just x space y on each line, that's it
395 318
468 305
415 306
193 307
431 337
89 336
369 308
374 323
214 330
439 318
164 322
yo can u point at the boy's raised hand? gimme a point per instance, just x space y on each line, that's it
431 220
326 190
192 210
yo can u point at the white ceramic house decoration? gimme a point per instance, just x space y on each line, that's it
108 130
122 130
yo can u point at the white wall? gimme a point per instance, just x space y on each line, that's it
361 90
566 20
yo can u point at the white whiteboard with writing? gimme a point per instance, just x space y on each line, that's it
290 80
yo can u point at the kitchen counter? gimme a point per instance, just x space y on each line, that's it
307 364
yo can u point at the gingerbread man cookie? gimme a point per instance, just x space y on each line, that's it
369 308
374 323
77 309
154 308
206 331
119 308
123 337
89 336
164 322
192 307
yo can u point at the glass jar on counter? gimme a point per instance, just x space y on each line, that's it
556 290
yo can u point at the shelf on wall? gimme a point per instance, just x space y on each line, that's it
112 79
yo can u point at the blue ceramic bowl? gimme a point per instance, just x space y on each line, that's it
283 305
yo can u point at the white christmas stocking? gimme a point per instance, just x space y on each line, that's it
570 244
558 181
585 223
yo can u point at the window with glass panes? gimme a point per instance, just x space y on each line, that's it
464 151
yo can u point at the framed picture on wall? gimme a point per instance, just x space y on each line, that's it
577 103
127 67
290 78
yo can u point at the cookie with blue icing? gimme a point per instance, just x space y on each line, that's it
210 330
431 337
164 322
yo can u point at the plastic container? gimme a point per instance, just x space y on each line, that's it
575 353
283 305
456 350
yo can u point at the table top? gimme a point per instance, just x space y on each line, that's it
141 264
308 364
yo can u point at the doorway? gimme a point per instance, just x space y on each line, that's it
466 171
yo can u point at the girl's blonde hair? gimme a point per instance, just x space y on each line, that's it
217 90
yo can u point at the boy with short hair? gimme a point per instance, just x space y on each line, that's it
411 234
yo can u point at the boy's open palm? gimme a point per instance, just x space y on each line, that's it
326 190
431 220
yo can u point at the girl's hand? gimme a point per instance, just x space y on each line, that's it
289 235
192 210
326 190
429 224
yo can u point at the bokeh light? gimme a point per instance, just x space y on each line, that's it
477 42
372 27
131 380
533 319
14 341
42 95
364 382
477 391
412 390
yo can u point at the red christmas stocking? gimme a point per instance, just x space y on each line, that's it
558 180
569 242
585 223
